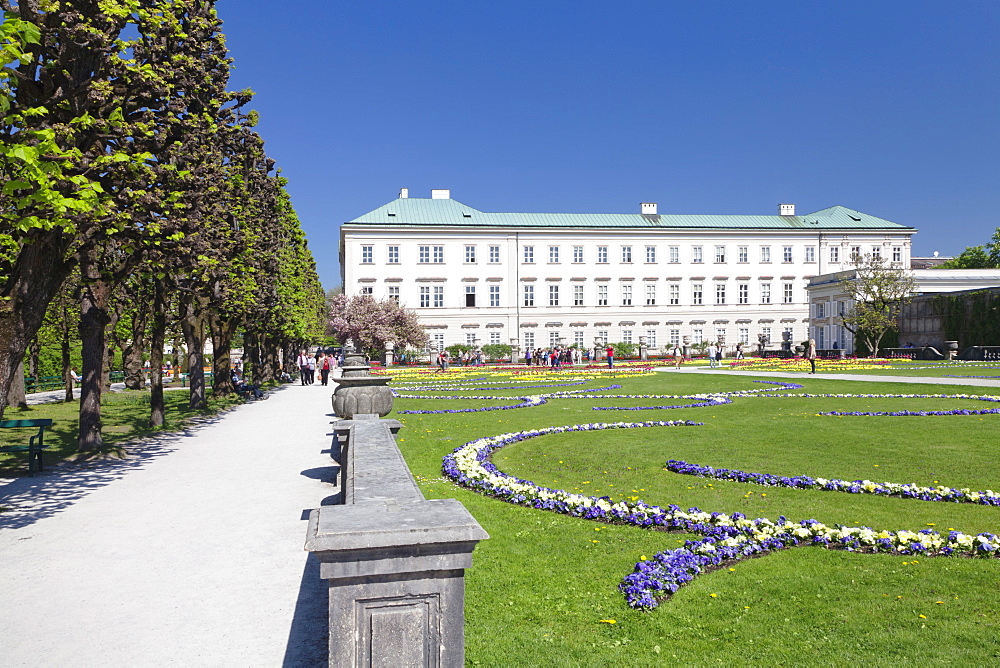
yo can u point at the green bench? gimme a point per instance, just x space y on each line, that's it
35 444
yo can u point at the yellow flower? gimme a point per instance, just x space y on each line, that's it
922 616
608 621
713 595
642 558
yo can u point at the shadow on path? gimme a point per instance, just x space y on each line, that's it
308 636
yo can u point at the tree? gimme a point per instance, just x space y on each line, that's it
878 290
497 351
371 324
986 256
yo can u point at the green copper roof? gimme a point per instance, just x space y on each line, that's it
414 211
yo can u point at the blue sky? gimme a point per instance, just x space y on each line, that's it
890 108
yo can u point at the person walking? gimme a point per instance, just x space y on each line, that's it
324 368
811 354
739 351
610 352
712 351
527 356
312 369
303 363
678 356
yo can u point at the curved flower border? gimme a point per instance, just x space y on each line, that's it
901 490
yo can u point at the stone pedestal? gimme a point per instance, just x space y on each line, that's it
360 392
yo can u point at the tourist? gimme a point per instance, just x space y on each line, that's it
678 356
739 351
324 368
303 363
712 351
811 354
610 352
527 356
312 369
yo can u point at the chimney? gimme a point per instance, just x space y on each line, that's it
440 194
404 193
786 209
648 208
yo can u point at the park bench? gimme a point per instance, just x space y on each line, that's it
35 444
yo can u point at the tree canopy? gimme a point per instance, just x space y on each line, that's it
878 289
372 324
986 256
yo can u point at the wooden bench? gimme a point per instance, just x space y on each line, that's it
35 444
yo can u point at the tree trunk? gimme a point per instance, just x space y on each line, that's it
193 327
251 356
157 337
222 341
34 280
64 351
16 396
33 351
133 348
93 323
268 360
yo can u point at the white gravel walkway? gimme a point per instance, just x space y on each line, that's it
188 553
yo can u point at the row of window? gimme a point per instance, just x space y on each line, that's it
673 337
433 296
435 254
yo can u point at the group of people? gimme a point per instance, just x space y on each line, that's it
321 361
553 357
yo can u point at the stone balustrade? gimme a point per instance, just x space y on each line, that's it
394 561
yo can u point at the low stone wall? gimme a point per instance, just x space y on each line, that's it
394 561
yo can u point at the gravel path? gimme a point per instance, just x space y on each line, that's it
187 553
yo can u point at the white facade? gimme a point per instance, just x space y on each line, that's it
828 302
569 278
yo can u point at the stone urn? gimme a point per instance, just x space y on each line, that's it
360 392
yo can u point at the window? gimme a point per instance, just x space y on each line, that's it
744 335
841 308
675 294
674 254
578 338
820 339
470 295
494 255
810 253
494 295
651 254
720 293
529 295
855 253
698 336
438 254
626 336
425 255
786 253
626 294
720 334
529 340
366 255
553 339
602 294
650 338
650 294
897 254
603 335
720 254
877 252
495 338
438 342
470 254
602 255
577 254
554 254
788 287
529 254
439 296
743 254
577 295
394 293
820 310
765 253
626 255
765 293
425 297
393 255
675 337
834 254
743 290
470 338
696 256
553 295
697 293
367 290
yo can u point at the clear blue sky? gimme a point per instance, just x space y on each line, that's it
890 108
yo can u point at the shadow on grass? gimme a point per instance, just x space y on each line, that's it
24 500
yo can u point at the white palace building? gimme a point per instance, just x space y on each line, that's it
538 279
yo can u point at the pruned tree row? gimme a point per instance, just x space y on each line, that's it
138 204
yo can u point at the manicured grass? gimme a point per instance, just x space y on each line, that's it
540 587
895 367
125 416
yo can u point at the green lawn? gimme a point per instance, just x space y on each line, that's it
125 416
541 586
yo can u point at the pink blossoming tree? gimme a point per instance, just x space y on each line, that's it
371 324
